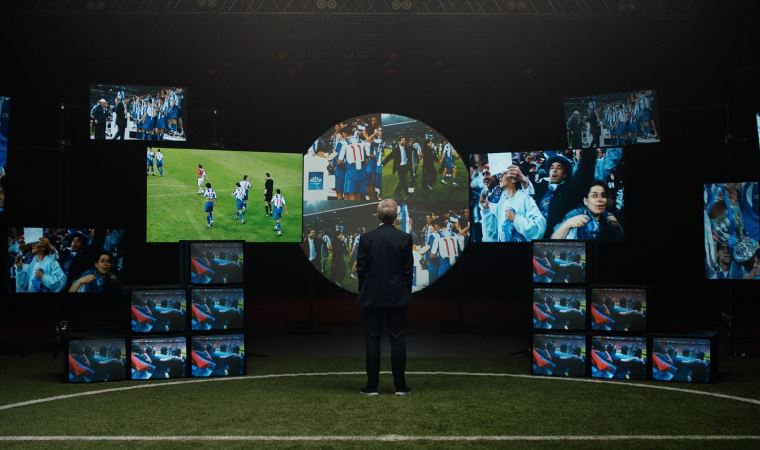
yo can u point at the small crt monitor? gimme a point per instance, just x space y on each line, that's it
559 309
619 357
559 355
685 359
158 357
216 262
559 262
217 309
158 310
618 309
218 355
93 360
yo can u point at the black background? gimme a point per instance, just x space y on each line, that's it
486 83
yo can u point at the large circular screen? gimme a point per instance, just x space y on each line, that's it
360 161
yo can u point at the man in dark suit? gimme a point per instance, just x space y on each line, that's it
402 161
384 265
574 130
121 118
100 115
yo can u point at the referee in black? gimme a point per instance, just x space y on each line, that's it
268 189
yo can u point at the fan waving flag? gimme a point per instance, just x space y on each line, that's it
141 366
600 362
201 272
541 315
201 362
661 364
541 270
541 361
200 316
78 368
141 317
599 317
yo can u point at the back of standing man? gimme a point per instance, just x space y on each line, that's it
384 265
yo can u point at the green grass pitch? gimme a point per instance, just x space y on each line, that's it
331 405
175 209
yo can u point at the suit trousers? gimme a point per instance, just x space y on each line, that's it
373 330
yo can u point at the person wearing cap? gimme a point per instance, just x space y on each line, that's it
42 274
516 217
562 190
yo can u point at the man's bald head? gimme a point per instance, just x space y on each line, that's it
387 211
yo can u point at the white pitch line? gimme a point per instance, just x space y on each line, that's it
387 438
324 374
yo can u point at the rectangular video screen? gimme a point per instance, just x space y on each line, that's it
158 310
562 262
218 355
218 309
5 107
681 359
92 360
618 309
237 195
559 355
75 260
732 231
216 262
612 120
547 194
559 309
133 112
619 357
158 358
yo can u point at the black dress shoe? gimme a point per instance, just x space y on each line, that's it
368 391
404 390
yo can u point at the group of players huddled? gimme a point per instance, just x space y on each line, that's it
572 194
355 158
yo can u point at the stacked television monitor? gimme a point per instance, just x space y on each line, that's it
195 329
92 360
559 263
686 358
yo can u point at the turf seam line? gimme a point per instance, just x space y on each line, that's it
390 438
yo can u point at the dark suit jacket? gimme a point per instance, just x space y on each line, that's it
568 195
396 155
384 264
121 114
